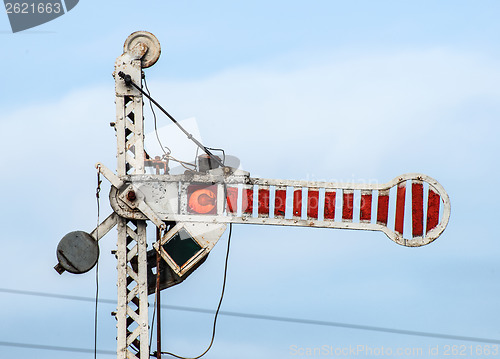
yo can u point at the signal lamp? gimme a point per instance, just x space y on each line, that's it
202 199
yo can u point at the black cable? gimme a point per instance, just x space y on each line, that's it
154 121
158 294
270 318
53 295
152 326
167 155
223 154
96 305
97 192
218 307
129 82
196 159
55 348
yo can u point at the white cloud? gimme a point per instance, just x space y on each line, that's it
360 117
340 116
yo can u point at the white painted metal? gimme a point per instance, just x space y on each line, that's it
132 310
105 226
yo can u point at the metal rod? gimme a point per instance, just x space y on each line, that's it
158 295
128 81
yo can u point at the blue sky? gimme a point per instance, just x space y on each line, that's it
323 90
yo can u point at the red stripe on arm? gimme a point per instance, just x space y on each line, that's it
263 209
330 204
312 204
365 212
232 199
432 210
247 204
400 208
383 207
347 205
297 203
280 203
417 208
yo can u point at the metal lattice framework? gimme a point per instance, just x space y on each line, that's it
132 310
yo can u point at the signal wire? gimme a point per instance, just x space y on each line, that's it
158 295
154 121
97 195
55 348
169 154
128 81
271 318
152 325
223 154
218 307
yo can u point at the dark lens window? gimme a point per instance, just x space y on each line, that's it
181 247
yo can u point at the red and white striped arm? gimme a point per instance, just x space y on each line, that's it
412 209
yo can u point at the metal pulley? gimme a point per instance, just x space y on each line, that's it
153 47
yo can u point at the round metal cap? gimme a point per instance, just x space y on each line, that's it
77 252
148 39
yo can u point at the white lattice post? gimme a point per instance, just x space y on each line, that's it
132 311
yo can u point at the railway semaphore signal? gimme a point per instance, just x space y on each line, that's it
191 210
